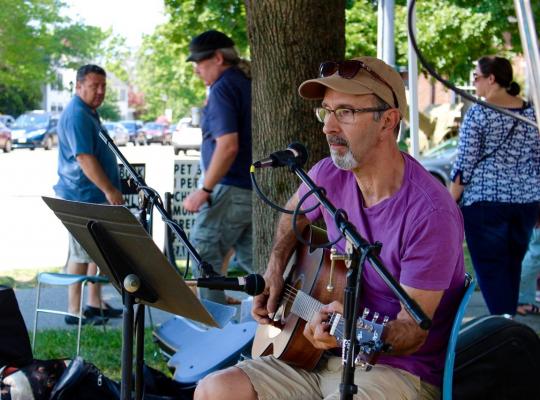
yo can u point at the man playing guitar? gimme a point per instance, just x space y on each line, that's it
390 198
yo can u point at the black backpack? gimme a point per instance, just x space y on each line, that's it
83 381
15 349
496 358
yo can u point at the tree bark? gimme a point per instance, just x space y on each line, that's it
288 41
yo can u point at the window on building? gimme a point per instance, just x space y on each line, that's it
58 83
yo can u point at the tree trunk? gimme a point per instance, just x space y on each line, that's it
288 41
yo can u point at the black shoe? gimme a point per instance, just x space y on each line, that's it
71 320
108 312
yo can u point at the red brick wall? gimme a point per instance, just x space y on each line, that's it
429 93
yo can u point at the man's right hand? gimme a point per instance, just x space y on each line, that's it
265 304
114 197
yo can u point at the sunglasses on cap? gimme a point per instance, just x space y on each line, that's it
348 70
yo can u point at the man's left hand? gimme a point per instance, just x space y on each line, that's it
196 200
317 330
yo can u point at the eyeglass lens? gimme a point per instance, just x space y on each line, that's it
346 69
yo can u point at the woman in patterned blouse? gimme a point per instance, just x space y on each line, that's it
496 177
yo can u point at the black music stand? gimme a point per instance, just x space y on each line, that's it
124 251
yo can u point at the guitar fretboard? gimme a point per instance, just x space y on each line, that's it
305 306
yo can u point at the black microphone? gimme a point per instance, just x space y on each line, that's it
295 154
252 284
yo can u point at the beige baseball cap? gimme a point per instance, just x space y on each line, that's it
363 82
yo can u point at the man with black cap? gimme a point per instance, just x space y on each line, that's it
223 203
389 197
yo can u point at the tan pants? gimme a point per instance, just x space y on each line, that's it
274 379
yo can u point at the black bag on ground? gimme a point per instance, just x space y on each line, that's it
15 349
159 386
496 358
83 381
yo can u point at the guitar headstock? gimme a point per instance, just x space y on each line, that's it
368 335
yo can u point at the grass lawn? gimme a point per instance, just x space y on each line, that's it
104 350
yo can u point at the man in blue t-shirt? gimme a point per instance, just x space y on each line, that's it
88 172
223 203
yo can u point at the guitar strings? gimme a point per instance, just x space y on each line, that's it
290 294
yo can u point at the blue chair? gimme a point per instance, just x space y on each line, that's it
195 350
448 375
55 279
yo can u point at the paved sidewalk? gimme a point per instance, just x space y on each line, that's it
477 307
57 297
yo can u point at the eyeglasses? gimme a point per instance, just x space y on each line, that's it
344 115
476 76
348 70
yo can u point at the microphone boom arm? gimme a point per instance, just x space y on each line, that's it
155 199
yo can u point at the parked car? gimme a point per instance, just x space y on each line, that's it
35 129
7 120
186 136
153 132
133 126
118 133
440 159
5 138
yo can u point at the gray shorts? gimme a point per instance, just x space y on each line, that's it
274 379
223 225
76 252
220 226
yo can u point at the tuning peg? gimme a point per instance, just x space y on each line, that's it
365 313
385 320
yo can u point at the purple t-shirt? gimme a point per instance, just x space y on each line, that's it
421 231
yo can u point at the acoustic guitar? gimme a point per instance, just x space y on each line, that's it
309 284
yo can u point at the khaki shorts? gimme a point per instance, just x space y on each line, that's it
77 253
273 380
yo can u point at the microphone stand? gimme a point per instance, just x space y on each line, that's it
362 251
148 198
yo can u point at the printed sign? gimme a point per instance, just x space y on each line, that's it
186 176
131 198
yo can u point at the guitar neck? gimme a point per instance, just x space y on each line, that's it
305 306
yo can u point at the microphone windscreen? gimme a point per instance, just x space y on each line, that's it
254 284
301 151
